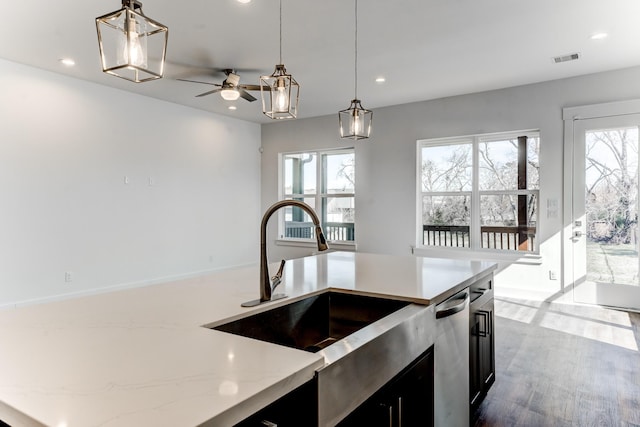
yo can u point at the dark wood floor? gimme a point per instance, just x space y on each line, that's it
563 365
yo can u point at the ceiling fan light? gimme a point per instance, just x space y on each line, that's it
230 94
132 46
355 121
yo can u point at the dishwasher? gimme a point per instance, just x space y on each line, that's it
451 366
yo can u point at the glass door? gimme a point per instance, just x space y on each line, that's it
605 211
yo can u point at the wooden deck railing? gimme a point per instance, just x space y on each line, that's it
456 236
344 231
491 237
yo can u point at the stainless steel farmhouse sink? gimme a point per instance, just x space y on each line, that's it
315 322
365 342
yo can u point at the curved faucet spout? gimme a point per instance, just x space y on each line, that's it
265 282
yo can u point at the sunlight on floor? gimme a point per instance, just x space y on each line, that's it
602 331
600 324
520 311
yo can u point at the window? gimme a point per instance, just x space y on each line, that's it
480 192
325 180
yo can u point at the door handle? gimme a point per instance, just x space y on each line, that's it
486 316
451 310
577 234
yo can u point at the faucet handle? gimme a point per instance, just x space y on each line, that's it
280 269
275 280
321 240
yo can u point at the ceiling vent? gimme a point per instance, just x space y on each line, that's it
566 58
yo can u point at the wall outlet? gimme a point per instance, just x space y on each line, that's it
68 276
553 275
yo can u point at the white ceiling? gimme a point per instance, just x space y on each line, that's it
425 49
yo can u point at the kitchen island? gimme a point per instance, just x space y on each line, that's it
142 356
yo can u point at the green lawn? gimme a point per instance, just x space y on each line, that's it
608 263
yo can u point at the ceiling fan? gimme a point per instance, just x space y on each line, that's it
230 89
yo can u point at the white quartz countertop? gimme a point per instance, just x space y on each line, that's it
140 357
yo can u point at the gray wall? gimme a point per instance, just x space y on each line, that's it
386 163
66 146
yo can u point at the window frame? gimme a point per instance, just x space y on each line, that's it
319 196
475 194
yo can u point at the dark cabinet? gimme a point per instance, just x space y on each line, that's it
406 401
481 347
296 409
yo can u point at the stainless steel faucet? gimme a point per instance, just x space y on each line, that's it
268 285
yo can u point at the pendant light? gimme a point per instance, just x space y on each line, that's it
280 91
355 121
132 46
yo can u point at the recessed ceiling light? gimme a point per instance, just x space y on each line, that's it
232 107
380 80
67 61
599 36
244 1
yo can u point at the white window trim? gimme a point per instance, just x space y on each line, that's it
318 196
311 243
494 255
474 227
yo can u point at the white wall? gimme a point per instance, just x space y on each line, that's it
66 146
386 163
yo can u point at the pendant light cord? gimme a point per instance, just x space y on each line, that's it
356 53
281 31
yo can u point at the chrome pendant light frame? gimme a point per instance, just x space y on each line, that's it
355 122
132 45
280 92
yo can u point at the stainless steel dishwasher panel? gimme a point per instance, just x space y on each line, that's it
451 368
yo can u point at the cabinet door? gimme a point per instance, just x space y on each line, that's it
487 348
376 412
414 395
481 351
406 401
298 408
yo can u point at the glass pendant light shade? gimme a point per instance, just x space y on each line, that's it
280 93
355 121
132 46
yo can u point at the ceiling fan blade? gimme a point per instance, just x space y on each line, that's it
209 93
195 81
246 95
250 87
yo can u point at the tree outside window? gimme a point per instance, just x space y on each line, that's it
480 192
611 178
